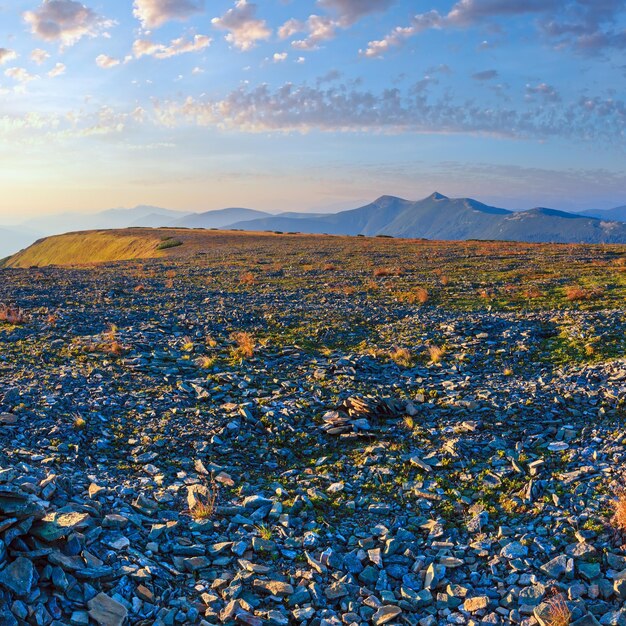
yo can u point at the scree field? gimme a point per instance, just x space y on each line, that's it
205 427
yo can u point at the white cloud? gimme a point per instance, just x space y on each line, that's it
320 28
57 70
244 29
39 56
279 57
7 55
290 28
155 13
586 25
66 21
419 24
145 47
19 74
106 62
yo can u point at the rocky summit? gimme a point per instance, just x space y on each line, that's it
327 431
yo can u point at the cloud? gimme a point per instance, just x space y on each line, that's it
19 74
144 47
467 12
545 91
291 27
396 37
57 70
7 55
345 108
39 56
106 62
585 25
279 57
320 29
485 75
350 11
155 13
66 21
244 29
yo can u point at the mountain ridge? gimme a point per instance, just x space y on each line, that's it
435 217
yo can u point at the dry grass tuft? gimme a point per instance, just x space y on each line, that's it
436 353
247 278
205 362
532 293
619 509
558 613
574 293
204 506
12 315
244 348
382 272
401 356
419 295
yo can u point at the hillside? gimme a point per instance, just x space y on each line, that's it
108 246
618 213
217 219
88 247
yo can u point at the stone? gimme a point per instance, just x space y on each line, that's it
477 603
107 612
385 614
18 577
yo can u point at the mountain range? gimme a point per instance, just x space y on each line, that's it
434 217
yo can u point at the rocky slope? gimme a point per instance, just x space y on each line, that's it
304 444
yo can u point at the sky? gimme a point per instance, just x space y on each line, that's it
310 104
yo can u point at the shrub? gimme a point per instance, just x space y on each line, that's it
169 243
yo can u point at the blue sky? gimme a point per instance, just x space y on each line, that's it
310 104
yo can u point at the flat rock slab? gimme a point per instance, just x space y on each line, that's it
55 526
18 577
106 611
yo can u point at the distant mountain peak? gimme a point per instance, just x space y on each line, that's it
437 196
386 199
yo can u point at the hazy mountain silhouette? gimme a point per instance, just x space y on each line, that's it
440 217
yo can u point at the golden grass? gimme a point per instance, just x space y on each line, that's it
382 272
247 278
86 248
558 612
244 345
401 356
204 509
436 353
418 295
619 510
12 315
